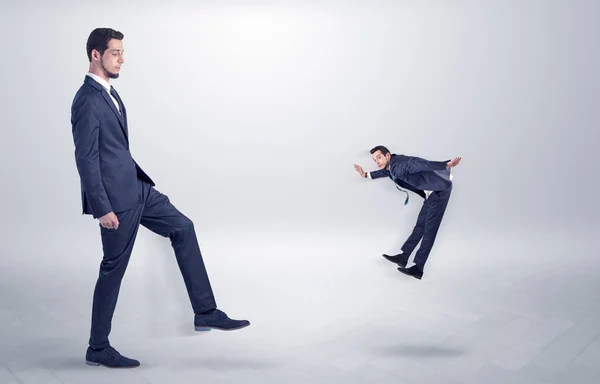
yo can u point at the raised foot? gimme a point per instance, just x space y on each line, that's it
218 320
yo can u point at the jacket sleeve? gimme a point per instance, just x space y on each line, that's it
378 173
86 126
413 164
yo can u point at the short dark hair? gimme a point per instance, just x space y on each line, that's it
99 39
384 150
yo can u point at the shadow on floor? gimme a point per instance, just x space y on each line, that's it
422 351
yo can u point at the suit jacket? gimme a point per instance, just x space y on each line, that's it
108 173
416 174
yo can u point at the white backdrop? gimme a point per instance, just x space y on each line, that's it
251 116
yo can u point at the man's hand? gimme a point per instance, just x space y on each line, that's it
360 170
109 221
454 162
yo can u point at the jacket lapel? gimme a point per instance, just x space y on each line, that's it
111 104
122 115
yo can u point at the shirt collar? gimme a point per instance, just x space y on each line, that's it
100 80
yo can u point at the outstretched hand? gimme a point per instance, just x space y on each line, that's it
454 162
359 169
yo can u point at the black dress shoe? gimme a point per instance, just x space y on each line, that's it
401 259
218 320
413 271
109 357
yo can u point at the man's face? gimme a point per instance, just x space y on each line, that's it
112 59
381 160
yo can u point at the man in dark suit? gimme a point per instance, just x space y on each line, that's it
116 191
432 181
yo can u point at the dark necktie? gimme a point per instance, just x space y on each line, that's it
121 109
113 93
400 189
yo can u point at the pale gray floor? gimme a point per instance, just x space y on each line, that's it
517 309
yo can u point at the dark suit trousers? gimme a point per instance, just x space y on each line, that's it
158 215
428 223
